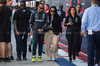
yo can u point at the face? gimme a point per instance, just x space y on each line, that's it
46 7
91 2
52 11
22 6
41 8
78 7
72 11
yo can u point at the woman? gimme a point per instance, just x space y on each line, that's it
73 23
52 34
78 7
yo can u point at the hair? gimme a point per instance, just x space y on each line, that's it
3 1
16 7
23 2
79 5
56 15
61 6
70 10
40 4
41 1
95 1
47 5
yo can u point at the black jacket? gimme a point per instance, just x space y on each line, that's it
76 23
39 20
56 25
22 19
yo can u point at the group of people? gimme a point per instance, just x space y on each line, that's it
45 25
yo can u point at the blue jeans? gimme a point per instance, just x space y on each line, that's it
92 41
21 44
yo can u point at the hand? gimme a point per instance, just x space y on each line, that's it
40 30
60 34
85 34
49 27
64 28
28 34
69 23
17 33
81 33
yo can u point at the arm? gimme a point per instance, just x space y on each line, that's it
59 24
46 22
32 19
84 22
15 23
66 21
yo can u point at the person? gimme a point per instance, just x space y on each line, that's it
10 45
21 25
91 30
47 8
73 23
41 1
5 29
52 34
0 53
40 21
78 7
36 9
12 23
62 15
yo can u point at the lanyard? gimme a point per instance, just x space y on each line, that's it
95 5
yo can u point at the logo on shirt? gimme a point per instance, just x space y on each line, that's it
43 16
76 19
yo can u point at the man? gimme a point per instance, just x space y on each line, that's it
40 21
91 29
5 29
47 8
62 15
41 1
21 24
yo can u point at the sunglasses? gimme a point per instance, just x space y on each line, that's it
22 5
41 8
53 11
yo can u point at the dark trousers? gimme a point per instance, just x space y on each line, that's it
72 38
79 44
21 43
92 41
38 38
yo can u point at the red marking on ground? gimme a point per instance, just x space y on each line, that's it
82 56
62 56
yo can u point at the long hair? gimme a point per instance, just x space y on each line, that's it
56 15
70 10
80 6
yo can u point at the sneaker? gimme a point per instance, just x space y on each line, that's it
77 54
70 60
29 48
19 59
74 57
7 59
24 58
96 64
53 59
3 60
33 58
11 58
39 59
0 59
